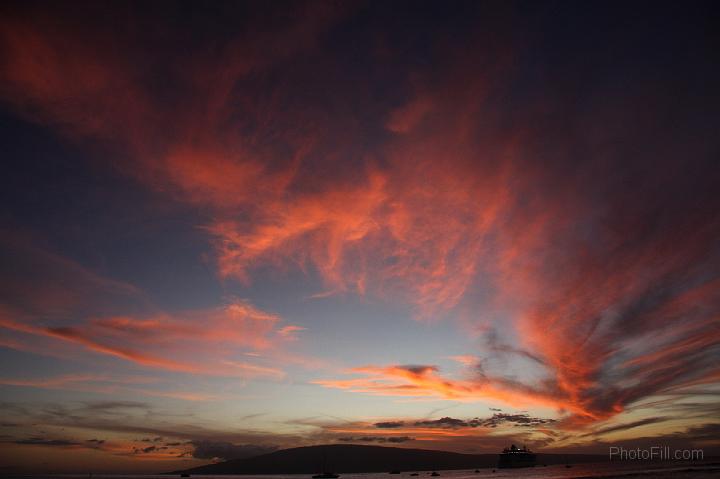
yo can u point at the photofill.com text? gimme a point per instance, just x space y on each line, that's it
658 453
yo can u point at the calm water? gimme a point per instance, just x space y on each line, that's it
604 470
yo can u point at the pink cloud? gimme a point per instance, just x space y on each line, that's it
607 279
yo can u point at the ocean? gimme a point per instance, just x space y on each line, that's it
600 470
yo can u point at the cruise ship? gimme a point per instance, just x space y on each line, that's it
516 457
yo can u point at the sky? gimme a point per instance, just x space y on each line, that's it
230 228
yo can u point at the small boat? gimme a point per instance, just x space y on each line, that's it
415 474
185 474
477 471
394 472
434 474
324 467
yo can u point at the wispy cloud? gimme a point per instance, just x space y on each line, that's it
31 320
584 231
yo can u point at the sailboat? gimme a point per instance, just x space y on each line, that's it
325 474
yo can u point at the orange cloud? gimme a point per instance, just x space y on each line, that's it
466 360
238 323
213 335
425 381
605 274
106 384
73 335
289 332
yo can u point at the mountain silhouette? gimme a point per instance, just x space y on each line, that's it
355 458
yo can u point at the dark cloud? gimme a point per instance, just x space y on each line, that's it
702 436
419 369
494 344
398 439
445 422
114 405
517 419
148 449
389 424
53 415
152 439
144 450
626 426
380 439
710 432
39 441
225 450
494 421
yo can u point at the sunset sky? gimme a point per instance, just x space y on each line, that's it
229 228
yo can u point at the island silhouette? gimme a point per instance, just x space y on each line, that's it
342 458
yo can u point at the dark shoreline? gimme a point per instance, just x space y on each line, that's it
355 459
660 472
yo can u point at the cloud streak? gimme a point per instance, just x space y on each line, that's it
584 232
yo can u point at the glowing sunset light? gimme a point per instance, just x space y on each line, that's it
236 228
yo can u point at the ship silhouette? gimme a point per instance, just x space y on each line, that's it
516 457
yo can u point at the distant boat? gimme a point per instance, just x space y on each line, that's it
394 472
516 457
415 474
325 474
185 475
434 474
